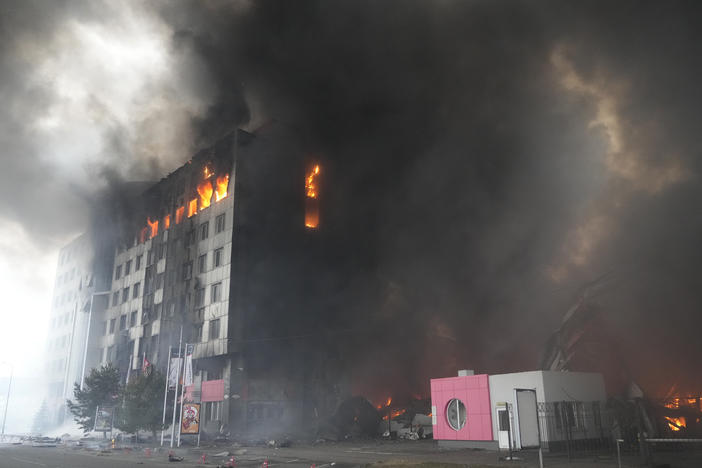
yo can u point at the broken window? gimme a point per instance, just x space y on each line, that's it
112 325
192 207
204 230
199 296
161 250
218 254
202 263
122 322
189 238
157 311
115 298
214 329
216 292
219 223
125 294
197 333
138 262
127 267
133 319
180 211
135 290
118 272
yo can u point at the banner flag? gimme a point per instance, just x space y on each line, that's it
173 371
188 370
190 419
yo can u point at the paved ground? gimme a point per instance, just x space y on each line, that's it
336 455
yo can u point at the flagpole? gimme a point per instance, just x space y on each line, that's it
129 369
165 395
175 399
182 392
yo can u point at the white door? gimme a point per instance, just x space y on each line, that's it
528 419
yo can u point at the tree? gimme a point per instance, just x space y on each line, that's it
41 419
142 403
101 388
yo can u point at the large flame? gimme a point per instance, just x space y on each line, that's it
222 185
180 211
153 227
166 221
207 172
204 189
312 201
192 207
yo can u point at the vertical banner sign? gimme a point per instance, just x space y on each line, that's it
173 371
103 419
188 370
190 419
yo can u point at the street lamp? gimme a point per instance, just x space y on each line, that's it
7 401
87 334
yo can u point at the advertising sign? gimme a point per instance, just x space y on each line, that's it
103 419
190 418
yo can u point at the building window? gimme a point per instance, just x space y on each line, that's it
112 325
204 230
138 262
456 414
219 223
187 270
159 281
107 327
122 322
189 238
199 296
115 298
214 329
125 294
135 290
202 263
218 255
118 272
157 311
212 411
161 251
133 319
216 292
127 267
197 333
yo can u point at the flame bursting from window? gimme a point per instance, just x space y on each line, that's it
192 208
312 200
222 185
153 227
204 189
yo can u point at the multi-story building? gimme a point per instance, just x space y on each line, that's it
222 251
81 271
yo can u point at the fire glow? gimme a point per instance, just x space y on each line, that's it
222 184
676 424
153 227
312 200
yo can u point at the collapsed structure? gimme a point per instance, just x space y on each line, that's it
221 249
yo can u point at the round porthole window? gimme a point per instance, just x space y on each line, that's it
456 414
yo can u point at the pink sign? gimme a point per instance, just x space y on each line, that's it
213 390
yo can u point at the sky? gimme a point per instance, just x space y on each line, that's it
491 157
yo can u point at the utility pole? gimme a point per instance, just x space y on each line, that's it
87 335
7 401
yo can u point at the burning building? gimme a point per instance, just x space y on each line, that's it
222 250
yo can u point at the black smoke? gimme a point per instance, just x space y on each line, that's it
470 187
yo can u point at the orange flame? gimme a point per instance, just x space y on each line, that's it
142 235
207 172
153 227
312 202
676 424
167 221
222 184
204 189
310 184
180 211
395 413
192 207
389 401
